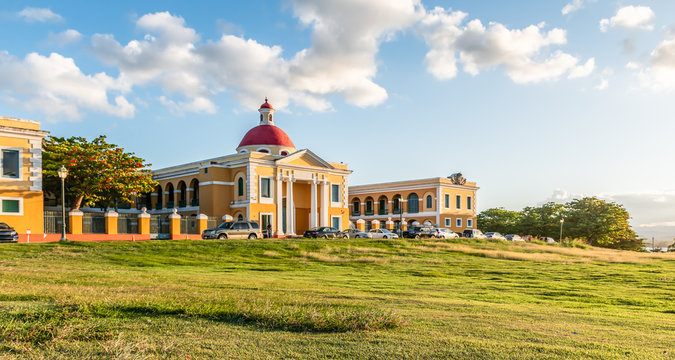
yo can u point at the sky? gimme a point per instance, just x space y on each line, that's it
534 100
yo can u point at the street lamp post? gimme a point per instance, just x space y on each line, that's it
562 221
63 172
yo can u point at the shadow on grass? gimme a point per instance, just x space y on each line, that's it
294 317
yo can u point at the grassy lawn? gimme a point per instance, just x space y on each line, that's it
404 299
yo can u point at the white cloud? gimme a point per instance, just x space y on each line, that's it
523 53
31 14
630 17
659 74
55 86
603 85
572 7
64 38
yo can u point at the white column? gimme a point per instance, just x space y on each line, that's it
324 203
279 201
290 215
313 210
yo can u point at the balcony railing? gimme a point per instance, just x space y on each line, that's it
169 204
195 202
356 212
384 211
396 211
370 212
182 203
158 206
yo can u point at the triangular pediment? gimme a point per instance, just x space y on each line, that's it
305 158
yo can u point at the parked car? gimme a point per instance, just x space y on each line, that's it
7 234
548 240
494 235
473 233
324 232
419 232
381 234
354 234
514 237
234 230
443 233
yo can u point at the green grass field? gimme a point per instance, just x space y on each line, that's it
403 299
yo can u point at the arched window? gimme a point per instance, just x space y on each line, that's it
195 192
240 217
240 187
356 209
160 196
369 206
283 153
182 200
413 203
170 200
263 150
430 202
397 204
382 203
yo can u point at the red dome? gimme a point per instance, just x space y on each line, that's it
266 135
266 105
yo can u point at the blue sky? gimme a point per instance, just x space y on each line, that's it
534 100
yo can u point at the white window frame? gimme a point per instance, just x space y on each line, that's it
448 222
20 213
20 164
339 220
469 223
337 203
458 222
266 200
458 197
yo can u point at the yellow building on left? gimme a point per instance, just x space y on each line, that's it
21 197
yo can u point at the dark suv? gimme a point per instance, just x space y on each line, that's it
419 232
234 230
7 233
322 232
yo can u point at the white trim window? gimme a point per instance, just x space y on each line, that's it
458 222
266 193
333 222
458 202
448 221
469 223
335 195
10 158
11 206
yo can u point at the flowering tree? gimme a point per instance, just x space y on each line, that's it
98 172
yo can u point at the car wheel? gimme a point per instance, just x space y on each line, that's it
222 236
252 236
325 237
417 237
345 236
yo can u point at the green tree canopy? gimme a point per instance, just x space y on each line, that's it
598 222
98 172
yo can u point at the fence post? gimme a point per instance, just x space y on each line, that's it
75 222
389 225
111 222
202 221
376 224
174 225
144 222
361 224
404 225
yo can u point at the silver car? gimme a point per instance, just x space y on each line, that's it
495 236
514 237
354 234
382 234
443 233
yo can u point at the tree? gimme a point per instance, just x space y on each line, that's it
98 172
543 220
671 247
600 223
500 220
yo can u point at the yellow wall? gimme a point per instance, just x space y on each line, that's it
33 212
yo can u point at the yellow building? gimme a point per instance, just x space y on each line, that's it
267 180
444 202
21 204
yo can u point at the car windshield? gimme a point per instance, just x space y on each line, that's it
385 231
316 229
225 225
